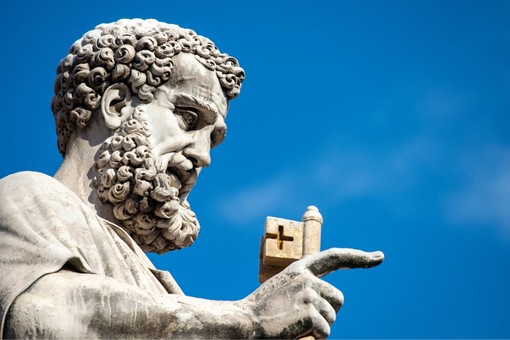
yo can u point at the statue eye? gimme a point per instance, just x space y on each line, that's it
217 136
188 118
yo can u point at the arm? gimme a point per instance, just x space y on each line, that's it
67 304
293 303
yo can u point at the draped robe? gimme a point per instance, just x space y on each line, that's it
44 226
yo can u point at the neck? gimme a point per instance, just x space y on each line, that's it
77 170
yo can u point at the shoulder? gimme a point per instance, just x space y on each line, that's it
24 178
29 182
28 193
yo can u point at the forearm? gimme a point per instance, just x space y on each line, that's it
68 304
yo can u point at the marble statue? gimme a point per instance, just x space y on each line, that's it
138 105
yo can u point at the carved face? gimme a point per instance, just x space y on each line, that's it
187 116
147 168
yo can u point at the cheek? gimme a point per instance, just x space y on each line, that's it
166 135
167 130
162 122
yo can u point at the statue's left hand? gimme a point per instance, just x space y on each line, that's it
296 302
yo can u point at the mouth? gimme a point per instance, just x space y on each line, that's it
186 178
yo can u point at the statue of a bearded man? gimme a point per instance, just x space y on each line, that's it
138 105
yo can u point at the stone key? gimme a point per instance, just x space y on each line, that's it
286 241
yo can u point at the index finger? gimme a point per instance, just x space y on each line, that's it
327 261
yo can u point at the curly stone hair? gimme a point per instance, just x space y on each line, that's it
135 52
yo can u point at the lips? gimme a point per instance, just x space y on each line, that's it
184 180
182 171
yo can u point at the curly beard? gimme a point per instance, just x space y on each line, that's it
147 197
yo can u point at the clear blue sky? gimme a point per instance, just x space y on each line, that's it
391 116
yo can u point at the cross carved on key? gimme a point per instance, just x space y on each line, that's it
280 237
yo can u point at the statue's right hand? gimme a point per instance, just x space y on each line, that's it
296 303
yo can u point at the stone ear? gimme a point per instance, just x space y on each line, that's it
116 105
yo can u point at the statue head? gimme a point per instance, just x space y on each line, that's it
163 92
134 52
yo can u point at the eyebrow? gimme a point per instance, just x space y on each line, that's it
195 102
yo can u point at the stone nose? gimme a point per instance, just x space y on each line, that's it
199 152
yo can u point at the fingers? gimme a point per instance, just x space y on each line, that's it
318 315
326 310
321 301
327 261
329 293
321 329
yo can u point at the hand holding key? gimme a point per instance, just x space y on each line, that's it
296 302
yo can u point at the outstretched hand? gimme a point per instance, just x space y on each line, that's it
296 303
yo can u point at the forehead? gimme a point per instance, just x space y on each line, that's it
191 78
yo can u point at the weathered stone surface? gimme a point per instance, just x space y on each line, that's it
312 225
283 242
138 105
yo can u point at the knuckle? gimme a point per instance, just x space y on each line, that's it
306 296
